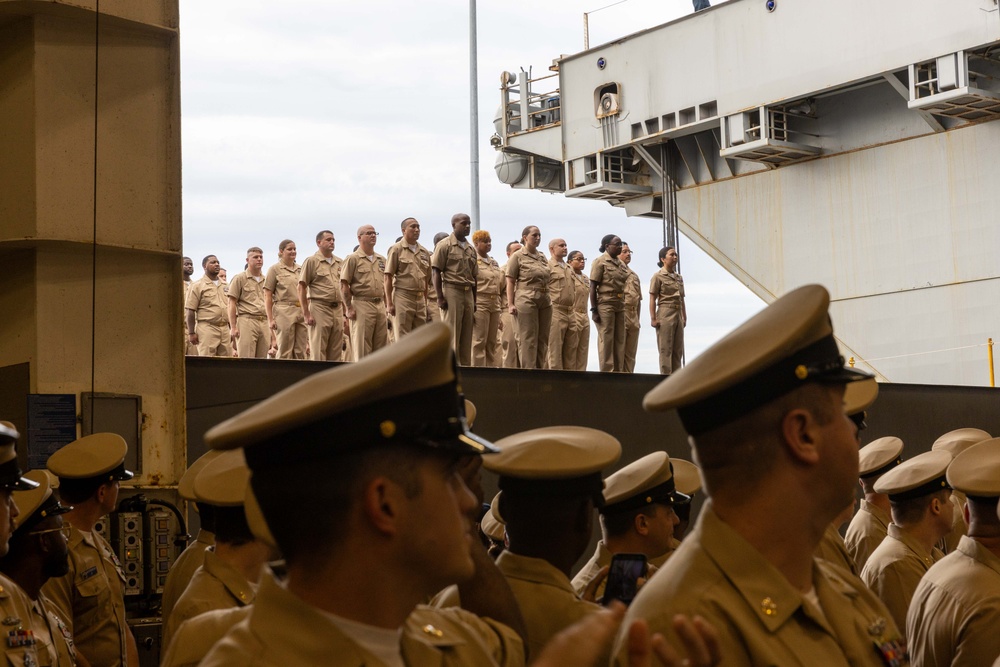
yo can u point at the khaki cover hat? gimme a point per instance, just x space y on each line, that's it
185 487
920 476
470 413
957 441
223 480
976 470
640 483
37 504
10 471
554 461
256 521
785 346
492 525
101 455
687 476
859 396
879 456
406 393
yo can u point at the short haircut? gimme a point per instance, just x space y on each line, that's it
253 249
402 225
231 526
75 491
619 523
510 244
204 262
320 235
572 255
912 510
480 235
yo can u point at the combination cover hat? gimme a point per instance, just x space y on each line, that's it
785 346
642 482
879 456
687 476
922 475
223 481
37 504
406 393
976 471
185 487
10 472
957 441
860 396
97 456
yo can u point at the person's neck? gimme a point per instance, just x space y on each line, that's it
326 253
358 589
987 533
785 534
926 533
84 516
557 552
248 559
879 500
289 263
253 273
187 278
629 543
27 573
211 277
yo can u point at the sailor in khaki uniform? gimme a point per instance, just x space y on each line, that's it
508 325
667 311
955 442
637 518
528 295
37 552
871 523
607 304
764 411
281 301
687 477
562 350
921 515
91 596
187 268
319 294
252 338
633 303
489 284
232 567
407 277
550 479
207 310
362 283
184 566
454 274
577 343
356 471
954 616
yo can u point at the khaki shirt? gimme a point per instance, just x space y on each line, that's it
667 289
183 569
322 278
40 636
215 585
208 301
602 558
895 568
581 297
410 271
760 617
282 630
456 264
633 292
283 283
545 596
365 277
91 597
954 617
561 284
195 637
831 548
958 526
865 532
530 272
249 294
490 283
611 273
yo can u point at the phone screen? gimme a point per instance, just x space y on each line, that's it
623 577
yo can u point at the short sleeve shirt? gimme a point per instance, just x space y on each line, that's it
561 283
530 272
208 301
490 283
667 288
611 273
410 270
364 276
322 277
633 291
456 264
283 283
248 293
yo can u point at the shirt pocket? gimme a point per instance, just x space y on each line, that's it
93 596
26 656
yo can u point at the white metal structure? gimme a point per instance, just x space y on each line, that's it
847 143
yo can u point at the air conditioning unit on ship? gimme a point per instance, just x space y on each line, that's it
763 135
948 86
608 105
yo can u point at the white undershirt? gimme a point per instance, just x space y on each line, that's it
412 247
813 599
382 643
463 244
371 258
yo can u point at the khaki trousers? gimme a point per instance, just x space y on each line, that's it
461 318
508 341
669 339
368 330
411 312
631 338
254 337
577 347
611 337
534 320
561 355
485 350
326 337
293 338
213 339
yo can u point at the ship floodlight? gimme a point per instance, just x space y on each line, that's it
771 5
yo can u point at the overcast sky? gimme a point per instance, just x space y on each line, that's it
306 114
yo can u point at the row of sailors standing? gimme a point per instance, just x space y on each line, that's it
530 313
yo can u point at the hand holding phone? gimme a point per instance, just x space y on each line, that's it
623 577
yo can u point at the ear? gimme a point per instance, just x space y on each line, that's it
641 524
381 503
800 432
584 515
